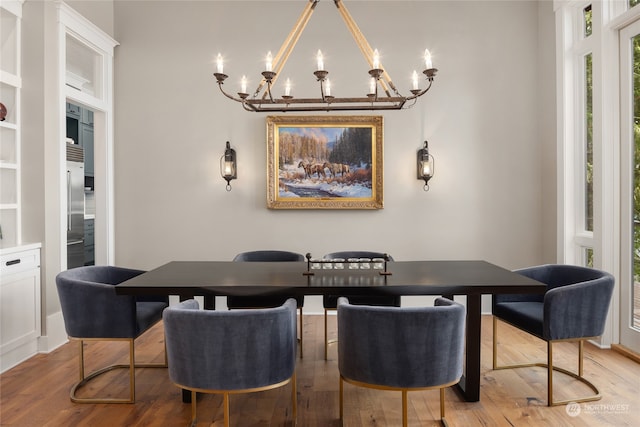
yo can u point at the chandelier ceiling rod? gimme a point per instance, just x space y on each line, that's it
326 102
363 44
288 44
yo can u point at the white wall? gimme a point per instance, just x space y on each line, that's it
486 119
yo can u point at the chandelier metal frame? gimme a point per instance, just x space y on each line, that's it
390 100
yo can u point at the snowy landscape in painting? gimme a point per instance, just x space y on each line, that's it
325 162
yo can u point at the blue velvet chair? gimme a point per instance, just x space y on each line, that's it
228 352
573 308
401 348
261 301
330 302
93 312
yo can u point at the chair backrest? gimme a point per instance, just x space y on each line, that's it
90 306
230 350
575 303
356 254
401 347
268 256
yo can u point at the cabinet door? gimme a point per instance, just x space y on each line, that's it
73 111
86 117
19 300
86 139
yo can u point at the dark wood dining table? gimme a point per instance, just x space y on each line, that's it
470 278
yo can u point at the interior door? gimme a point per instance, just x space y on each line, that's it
630 187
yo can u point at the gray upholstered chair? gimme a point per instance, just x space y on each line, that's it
573 308
228 352
401 348
262 301
93 312
330 302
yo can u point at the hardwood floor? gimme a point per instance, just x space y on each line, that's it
36 393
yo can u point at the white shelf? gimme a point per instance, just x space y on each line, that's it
10 128
8 125
10 79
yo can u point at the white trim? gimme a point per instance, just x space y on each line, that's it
607 188
82 28
624 163
13 6
570 49
94 38
60 20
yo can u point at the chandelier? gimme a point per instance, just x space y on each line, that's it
383 94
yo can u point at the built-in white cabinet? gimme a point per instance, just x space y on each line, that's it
20 315
10 86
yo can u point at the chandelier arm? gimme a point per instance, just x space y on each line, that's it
289 44
419 94
363 44
249 107
269 91
227 95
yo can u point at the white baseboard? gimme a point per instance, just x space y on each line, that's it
56 334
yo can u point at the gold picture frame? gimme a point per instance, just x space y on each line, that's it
324 162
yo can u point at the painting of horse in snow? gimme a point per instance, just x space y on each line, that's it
324 162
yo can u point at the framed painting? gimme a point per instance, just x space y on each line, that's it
324 162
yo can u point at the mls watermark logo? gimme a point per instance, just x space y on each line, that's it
573 409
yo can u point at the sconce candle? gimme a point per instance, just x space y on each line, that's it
427 60
243 84
220 64
376 59
287 88
320 61
425 165
269 62
228 165
414 80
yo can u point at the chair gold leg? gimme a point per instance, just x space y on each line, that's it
327 341
580 359
132 371
194 417
84 379
301 334
549 373
495 342
81 359
341 399
294 399
550 368
226 409
443 420
326 336
404 408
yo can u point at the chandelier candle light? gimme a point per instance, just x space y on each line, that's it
390 100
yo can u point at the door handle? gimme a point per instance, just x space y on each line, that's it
68 200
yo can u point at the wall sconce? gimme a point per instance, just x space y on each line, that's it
228 165
425 165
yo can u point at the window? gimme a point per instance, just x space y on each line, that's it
587 16
588 143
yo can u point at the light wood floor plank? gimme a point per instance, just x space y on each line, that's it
36 392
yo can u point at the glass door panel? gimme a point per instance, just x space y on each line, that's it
630 187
